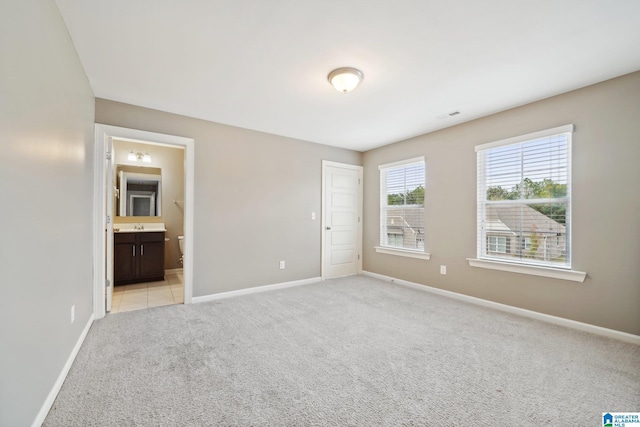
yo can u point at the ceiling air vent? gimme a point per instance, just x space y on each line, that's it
445 116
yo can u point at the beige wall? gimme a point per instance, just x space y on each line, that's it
254 194
171 161
606 207
46 171
253 197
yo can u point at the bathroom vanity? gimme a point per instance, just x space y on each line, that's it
138 256
138 247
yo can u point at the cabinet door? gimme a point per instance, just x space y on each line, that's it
124 261
152 260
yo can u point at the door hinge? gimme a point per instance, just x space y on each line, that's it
108 219
358 219
358 181
358 256
107 283
108 155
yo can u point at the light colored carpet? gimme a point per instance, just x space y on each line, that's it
350 351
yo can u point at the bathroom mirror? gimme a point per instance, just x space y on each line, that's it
138 191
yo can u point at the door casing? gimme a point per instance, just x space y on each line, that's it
101 192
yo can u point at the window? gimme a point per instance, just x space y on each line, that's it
402 205
524 199
497 244
394 239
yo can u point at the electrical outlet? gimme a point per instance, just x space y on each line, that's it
73 313
443 269
281 265
313 216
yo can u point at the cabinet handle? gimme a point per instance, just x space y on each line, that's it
134 250
142 250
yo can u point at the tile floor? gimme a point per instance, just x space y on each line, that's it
151 294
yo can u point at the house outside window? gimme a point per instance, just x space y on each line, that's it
402 222
524 199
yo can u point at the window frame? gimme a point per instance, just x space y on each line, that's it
486 260
386 248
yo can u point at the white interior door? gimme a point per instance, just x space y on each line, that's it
341 219
109 224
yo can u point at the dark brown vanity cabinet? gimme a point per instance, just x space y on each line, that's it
138 257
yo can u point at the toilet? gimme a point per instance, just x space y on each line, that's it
181 244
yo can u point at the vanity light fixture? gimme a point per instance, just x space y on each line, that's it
345 79
133 157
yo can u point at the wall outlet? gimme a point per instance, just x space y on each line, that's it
443 269
313 216
73 313
281 265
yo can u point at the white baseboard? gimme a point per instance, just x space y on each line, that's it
51 397
598 330
173 271
254 290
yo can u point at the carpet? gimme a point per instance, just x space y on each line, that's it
351 351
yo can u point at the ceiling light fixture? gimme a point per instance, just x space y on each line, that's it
133 157
345 79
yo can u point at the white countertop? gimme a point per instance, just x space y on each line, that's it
144 227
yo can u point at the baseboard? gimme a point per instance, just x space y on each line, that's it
51 397
254 290
573 324
173 271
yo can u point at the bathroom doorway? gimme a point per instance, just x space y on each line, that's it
167 206
148 206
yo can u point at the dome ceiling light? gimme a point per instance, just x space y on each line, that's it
345 79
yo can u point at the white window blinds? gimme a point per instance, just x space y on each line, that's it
524 199
402 204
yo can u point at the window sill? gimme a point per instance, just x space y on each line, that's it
403 252
556 273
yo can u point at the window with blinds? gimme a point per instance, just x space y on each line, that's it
524 198
402 205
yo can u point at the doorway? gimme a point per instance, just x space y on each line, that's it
104 221
341 219
149 193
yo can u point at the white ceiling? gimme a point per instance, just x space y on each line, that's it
263 64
